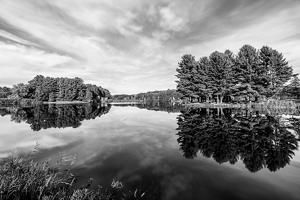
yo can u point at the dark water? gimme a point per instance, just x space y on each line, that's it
166 151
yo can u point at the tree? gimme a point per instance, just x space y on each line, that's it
276 70
220 74
34 84
201 79
251 73
292 90
20 90
4 89
186 71
248 69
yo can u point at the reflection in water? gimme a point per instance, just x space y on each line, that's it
54 116
155 105
139 148
229 135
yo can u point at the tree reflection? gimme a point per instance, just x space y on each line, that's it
161 106
55 116
154 105
229 135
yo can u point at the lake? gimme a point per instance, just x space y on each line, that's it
166 151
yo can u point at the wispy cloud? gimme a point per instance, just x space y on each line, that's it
135 46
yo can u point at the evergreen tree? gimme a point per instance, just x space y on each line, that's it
248 69
201 79
276 68
186 72
220 74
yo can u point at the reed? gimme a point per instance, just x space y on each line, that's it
23 178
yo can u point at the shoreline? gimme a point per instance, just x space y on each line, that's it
239 105
66 102
126 102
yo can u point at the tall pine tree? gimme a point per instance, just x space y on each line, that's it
276 68
186 73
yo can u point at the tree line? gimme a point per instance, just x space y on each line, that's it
248 76
158 95
51 89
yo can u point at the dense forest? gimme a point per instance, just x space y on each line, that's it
54 116
51 89
162 96
258 140
251 75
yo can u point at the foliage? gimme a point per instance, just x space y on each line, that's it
186 72
4 89
4 94
52 89
275 68
250 74
14 101
292 90
161 96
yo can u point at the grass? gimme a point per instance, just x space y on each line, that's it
23 178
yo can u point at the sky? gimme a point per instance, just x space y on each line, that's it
132 46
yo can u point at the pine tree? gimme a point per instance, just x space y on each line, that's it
278 72
186 72
220 74
248 69
201 79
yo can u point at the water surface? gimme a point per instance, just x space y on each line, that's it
192 154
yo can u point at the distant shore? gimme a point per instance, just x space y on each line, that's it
270 104
66 102
125 102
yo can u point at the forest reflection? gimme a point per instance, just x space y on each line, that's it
54 116
156 106
259 140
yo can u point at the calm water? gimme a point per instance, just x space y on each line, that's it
167 153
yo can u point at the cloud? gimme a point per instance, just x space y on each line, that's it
21 64
135 46
14 38
170 20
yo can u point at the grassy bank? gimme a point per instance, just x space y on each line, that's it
23 178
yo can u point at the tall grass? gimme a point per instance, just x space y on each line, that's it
23 178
